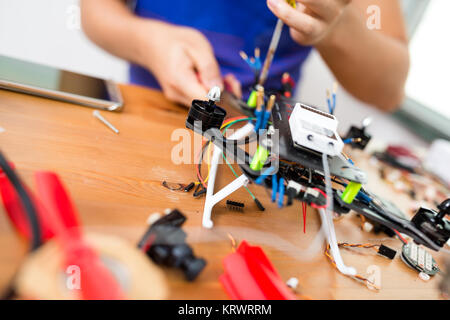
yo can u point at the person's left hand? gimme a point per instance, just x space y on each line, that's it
312 20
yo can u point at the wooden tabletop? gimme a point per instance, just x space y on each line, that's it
116 180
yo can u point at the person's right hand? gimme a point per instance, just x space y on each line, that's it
181 59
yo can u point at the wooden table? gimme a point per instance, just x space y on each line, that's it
116 183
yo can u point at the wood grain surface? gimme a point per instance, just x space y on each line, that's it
116 183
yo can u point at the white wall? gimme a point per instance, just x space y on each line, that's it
48 32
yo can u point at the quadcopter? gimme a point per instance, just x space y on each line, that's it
300 157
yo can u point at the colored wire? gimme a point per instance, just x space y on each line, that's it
264 175
233 242
208 160
253 62
227 126
402 239
315 206
199 176
351 140
346 157
334 95
236 175
304 216
331 98
228 123
347 141
330 107
281 189
199 166
274 187
363 245
357 276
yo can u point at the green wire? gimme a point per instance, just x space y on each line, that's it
225 158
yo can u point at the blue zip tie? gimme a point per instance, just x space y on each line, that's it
264 175
281 193
274 187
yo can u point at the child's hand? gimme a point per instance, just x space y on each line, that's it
312 20
182 60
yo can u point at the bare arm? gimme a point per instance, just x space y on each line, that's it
371 64
111 25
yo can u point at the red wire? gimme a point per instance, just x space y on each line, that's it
401 237
234 119
304 216
321 192
324 194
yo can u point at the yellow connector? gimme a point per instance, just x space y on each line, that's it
292 3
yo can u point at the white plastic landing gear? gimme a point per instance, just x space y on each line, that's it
211 198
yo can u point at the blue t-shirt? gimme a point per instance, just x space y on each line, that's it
230 26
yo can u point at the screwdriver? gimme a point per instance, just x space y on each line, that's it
97 115
273 47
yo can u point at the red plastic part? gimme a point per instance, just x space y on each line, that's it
59 207
98 283
16 212
58 218
249 275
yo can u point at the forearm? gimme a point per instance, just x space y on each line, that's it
111 25
370 65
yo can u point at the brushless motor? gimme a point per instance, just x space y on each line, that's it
205 115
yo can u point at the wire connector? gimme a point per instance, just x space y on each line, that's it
387 252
